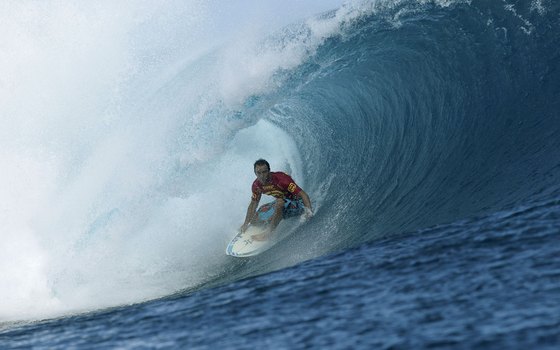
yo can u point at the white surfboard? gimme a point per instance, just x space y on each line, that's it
244 245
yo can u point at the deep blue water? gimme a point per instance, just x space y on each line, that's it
483 282
430 142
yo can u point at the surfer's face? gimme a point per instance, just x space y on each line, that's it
262 173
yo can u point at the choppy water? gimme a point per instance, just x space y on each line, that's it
426 133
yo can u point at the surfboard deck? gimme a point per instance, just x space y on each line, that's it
244 245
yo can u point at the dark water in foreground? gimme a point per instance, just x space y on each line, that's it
486 282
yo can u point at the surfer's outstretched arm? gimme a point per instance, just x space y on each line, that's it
251 211
307 204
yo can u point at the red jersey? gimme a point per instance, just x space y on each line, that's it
281 185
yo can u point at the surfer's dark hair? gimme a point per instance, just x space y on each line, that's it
261 162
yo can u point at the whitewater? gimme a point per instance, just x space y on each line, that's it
425 132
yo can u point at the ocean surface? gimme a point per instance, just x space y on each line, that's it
427 134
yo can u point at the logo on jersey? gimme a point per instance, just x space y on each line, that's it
292 187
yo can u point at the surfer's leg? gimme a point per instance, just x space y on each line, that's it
293 208
279 207
274 221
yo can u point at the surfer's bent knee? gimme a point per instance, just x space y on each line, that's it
280 202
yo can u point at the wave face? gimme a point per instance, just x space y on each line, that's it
421 114
129 143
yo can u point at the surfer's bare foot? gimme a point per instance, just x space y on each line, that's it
260 237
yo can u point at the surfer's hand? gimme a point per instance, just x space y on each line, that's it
308 214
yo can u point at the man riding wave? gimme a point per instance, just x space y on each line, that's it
291 199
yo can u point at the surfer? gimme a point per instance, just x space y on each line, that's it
291 200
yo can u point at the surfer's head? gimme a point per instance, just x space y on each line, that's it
261 162
262 170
